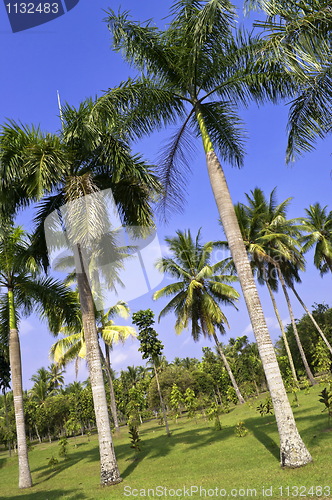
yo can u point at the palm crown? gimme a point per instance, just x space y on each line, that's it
73 346
318 225
199 288
19 273
196 70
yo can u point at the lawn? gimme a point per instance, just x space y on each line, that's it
195 456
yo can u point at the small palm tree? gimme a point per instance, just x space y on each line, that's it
200 287
56 376
73 346
42 387
23 290
272 236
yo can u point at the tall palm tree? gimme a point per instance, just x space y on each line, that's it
90 155
251 222
299 33
24 290
318 226
198 71
276 244
73 345
277 238
199 289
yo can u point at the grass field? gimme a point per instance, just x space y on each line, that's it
195 456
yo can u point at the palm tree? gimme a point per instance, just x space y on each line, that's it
73 387
318 225
196 70
56 376
75 168
299 33
199 288
112 334
131 376
73 346
251 220
277 245
277 238
42 387
24 290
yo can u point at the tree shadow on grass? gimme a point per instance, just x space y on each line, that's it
159 446
46 472
3 462
134 462
313 432
260 429
51 495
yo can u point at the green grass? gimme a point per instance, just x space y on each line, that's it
195 455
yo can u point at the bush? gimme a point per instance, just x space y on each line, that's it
63 448
241 430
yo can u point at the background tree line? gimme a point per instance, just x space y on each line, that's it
53 410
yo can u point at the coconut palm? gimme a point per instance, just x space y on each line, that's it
276 245
42 387
300 34
24 290
280 238
73 346
74 168
250 225
112 334
199 288
199 72
56 376
318 226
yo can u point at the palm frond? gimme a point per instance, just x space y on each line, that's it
114 334
142 46
146 105
225 130
173 167
310 114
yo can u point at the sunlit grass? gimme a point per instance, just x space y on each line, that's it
194 456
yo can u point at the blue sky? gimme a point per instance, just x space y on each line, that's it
72 54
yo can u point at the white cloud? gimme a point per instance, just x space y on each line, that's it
271 322
286 321
123 356
248 329
25 327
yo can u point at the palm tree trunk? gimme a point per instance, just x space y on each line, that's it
312 318
288 351
228 369
109 472
7 420
162 404
110 383
25 480
296 333
293 452
37 433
